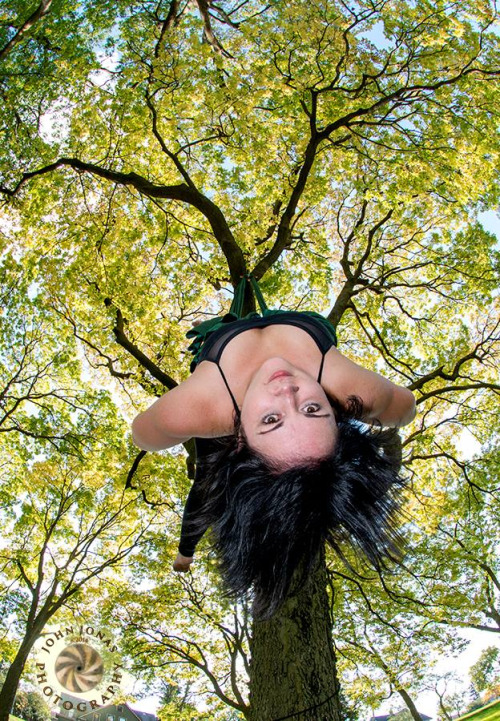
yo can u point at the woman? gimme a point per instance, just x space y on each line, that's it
298 467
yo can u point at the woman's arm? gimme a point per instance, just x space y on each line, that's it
154 430
186 411
383 400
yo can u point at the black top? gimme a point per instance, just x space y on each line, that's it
213 347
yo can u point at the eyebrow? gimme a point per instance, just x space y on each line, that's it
278 425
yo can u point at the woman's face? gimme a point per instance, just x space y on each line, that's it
286 415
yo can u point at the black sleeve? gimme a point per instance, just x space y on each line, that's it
191 530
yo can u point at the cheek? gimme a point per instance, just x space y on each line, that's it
244 418
245 426
319 441
252 410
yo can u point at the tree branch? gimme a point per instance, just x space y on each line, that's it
181 192
121 338
41 10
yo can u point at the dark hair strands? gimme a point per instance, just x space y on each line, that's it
269 526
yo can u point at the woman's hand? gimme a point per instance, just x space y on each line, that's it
182 563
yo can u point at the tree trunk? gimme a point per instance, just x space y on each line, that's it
292 669
409 703
9 687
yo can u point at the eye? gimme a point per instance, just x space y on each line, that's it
311 408
270 418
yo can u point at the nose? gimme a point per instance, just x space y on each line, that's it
284 388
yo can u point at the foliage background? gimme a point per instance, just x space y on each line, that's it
150 154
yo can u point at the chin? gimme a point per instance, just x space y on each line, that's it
276 362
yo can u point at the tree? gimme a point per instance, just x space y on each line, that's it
397 622
486 670
57 544
450 702
339 153
196 643
61 495
175 703
29 705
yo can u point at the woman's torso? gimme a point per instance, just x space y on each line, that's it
241 356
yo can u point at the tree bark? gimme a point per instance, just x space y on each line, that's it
11 682
409 704
292 670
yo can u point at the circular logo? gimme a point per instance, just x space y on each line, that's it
77 667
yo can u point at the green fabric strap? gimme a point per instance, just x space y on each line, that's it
201 332
258 294
239 295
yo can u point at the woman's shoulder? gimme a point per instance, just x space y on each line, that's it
383 400
205 398
194 408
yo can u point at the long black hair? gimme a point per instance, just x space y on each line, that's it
268 524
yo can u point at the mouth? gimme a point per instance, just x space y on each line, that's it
279 374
